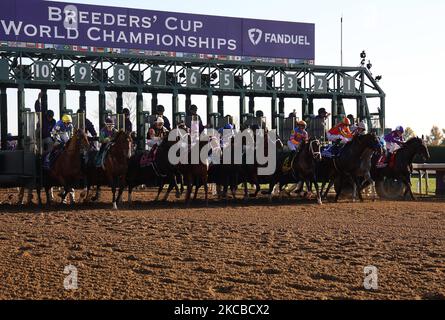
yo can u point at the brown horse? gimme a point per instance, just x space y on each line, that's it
67 168
114 169
116 164
194 174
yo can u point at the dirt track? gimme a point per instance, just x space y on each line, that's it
290 251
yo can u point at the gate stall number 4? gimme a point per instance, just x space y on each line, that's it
258 81
42 71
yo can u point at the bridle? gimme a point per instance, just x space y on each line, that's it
315 154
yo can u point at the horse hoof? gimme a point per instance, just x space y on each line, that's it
114 206
319 202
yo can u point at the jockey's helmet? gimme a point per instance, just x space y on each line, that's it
109 122
400 129
50 114
302 123
346 122
160 108
159 122
126 111
362 125
67 119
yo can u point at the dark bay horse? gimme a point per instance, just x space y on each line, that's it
114 169
304 165
195 174
67 168
402 168
159 172
351 162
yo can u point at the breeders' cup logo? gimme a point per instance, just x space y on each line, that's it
255 36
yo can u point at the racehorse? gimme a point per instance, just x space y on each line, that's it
114 168
194 174
304 165
159 169
351 163
66 170
402 167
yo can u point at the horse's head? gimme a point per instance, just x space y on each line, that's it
419 147
123 141
79 140
314 147
370 141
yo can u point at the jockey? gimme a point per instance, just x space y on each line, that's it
106 134
62 131
128 123
359 129
157 134
341 132
226 133
298 135
394 140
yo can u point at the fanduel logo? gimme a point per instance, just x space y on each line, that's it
255 36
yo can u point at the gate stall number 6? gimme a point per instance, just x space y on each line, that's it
193 78
42 71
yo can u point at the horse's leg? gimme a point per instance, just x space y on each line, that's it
330 184
407 182
96 196
206 192
317 190
72 195
246 191
188 192
121 184
130 190
160 188
172 184
338 192
21 195
358 189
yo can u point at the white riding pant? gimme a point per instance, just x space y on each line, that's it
335 137
392 147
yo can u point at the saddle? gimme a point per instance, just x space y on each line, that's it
102 154
148 158
51 157
332 151
385 162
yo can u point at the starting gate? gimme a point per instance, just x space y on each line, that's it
217 122
249 120
285 127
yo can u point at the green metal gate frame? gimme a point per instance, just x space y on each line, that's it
20 63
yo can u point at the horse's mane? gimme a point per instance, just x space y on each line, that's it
414 140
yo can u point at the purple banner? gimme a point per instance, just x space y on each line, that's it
47 22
